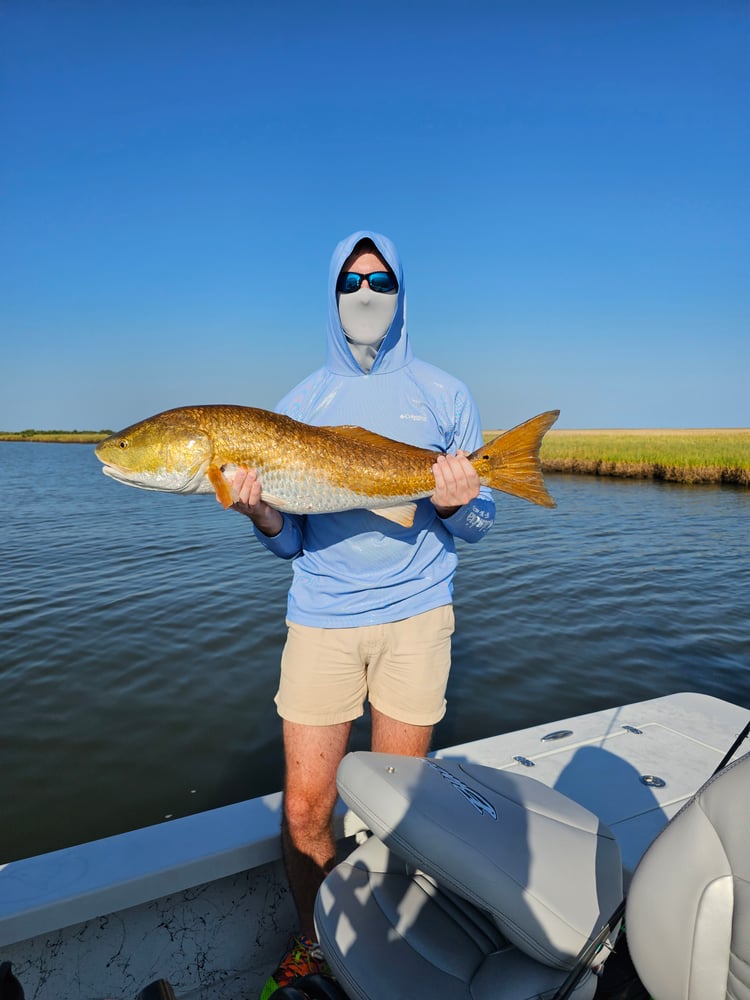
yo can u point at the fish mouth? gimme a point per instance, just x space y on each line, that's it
129 478
190 483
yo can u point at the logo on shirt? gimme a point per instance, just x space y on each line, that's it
477 518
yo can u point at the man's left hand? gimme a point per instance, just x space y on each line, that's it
456 483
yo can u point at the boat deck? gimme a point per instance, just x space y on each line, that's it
203 901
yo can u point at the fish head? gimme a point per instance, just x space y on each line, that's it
169 452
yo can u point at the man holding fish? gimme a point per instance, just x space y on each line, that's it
365 475
370 607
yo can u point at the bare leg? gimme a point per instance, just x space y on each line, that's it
391 736
313 753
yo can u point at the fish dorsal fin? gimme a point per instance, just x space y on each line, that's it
403 514
353 433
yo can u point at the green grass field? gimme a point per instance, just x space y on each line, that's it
690 456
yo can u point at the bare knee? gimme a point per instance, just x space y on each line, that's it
312 758
391 736
306 814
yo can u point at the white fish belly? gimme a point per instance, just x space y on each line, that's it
307 493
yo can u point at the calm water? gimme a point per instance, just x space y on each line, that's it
140 634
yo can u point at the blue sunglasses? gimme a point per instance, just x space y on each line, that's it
379 281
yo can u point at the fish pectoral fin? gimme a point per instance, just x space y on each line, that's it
403 514
220 485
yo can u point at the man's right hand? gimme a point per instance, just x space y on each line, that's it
246 490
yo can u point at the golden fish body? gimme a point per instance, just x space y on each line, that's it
305 469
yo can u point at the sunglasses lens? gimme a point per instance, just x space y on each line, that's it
349 282
379 281
382 281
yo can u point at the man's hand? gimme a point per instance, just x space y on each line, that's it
456 483
246 490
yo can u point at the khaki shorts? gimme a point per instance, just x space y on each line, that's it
402 667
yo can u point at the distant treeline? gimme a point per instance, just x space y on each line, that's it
56 437
35 433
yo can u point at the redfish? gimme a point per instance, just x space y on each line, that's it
305 469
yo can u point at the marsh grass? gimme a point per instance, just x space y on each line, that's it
686 456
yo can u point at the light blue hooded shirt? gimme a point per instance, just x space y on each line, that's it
356 568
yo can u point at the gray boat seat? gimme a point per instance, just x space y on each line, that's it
476 883
688 911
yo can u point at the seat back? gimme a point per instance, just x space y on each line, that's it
688 911
547 870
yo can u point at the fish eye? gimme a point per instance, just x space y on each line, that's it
124 443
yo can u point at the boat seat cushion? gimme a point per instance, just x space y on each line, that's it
545 869
390 931
691 893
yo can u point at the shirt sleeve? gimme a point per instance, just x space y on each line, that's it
472 521
288 543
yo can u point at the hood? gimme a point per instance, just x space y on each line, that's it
394 351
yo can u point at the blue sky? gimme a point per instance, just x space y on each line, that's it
567 183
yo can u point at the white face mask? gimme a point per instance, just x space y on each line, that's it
366 317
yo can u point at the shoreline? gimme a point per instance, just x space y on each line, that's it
688 475
680 455
56 437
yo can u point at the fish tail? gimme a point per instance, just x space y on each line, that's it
510 462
